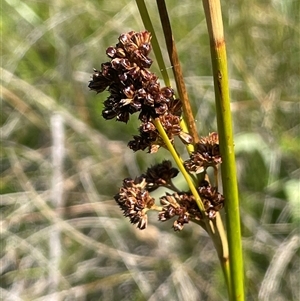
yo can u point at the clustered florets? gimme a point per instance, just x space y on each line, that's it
135 200
133 88
185 207
206 154
160 175
213 201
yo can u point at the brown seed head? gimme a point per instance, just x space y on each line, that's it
160 175
134 200
183 205
212 200
207 153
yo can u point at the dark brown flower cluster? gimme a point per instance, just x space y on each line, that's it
134 199
207 153
133 88
185 207
182 205
213 201
160 175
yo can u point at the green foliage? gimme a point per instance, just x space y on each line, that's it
48 52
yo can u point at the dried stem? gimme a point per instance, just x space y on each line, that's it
173 55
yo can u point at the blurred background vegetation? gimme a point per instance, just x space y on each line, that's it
62 235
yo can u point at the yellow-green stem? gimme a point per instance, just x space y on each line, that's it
178 161
219 63
154 42
217 233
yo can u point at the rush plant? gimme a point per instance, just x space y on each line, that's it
166 119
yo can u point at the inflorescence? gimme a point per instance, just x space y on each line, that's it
133 88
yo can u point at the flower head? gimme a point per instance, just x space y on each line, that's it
134 88
160 175
131 85
207 153
148 138
212 200
182 205
135 200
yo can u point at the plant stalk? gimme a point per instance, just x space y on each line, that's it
177 71
214 21
154 42
178 161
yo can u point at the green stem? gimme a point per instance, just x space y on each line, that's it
219 63
217 233
178 161
154 42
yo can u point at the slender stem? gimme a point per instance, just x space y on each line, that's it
178 161
218 235
216 231
154 42
177 71
219 63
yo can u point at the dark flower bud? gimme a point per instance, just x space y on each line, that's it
109 114
111 52
123 116
160 175
145 48
167 92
